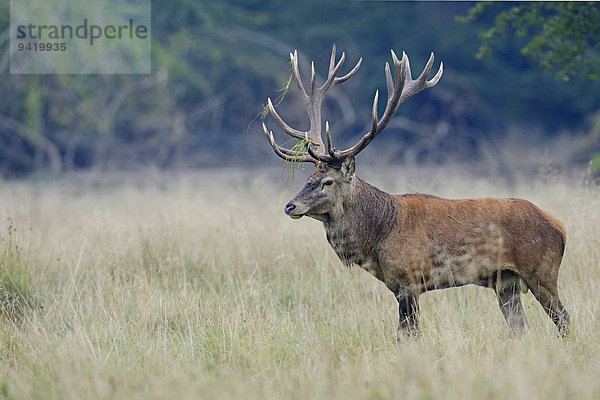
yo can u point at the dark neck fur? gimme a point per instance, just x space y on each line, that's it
367 217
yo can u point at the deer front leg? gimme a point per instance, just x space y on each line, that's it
408 306
509 299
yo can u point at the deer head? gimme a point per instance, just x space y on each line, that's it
324 191
327 186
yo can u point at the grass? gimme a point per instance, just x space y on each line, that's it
198 286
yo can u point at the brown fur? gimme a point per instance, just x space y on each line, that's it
416 242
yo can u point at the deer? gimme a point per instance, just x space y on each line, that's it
415 243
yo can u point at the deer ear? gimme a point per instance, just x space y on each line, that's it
348 167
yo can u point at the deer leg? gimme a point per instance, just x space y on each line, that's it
509 299
550 302
408 306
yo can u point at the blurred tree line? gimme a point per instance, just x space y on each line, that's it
215 63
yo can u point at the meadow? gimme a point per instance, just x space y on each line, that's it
196 285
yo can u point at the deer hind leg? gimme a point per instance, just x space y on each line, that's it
548 298
508 291
408 306
545 290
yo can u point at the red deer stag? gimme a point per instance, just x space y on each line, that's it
418 242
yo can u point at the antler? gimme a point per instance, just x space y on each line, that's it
313 102
399 90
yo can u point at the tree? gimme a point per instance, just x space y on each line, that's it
563 37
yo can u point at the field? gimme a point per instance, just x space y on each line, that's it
196 285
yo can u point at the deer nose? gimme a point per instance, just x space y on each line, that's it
289 208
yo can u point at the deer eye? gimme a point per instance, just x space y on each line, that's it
328 182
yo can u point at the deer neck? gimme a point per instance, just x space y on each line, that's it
363 218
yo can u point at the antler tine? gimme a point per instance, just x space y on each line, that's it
330 148
433 81
389 81
427 68
284 153
285 127
349 75
407 71
374 113
294 60
332 60
313 78
399 70
395 58
330 82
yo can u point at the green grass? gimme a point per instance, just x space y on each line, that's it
198 286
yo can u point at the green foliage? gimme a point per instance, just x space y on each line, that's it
299 149
595 163
564 37
284 89
5 391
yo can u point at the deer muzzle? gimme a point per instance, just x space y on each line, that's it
291 210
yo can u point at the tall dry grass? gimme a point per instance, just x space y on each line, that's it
197 286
